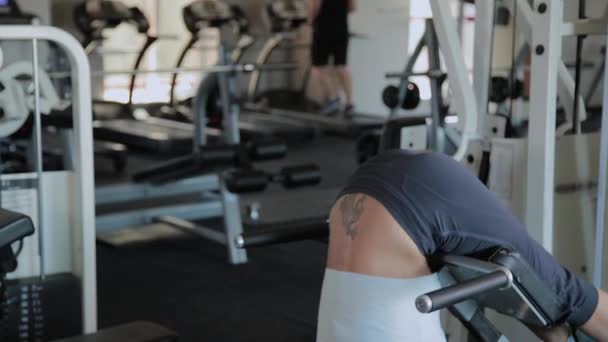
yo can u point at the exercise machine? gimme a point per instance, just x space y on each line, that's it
15 227
60 204
215 162
416 131
285 18
186 188
116 122
19 73
502 281
198 16
539 176
252 125
181 192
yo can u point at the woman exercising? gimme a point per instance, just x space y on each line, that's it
402 207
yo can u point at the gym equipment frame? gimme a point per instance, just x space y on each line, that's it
81 260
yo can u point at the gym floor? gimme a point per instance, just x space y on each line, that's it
187 285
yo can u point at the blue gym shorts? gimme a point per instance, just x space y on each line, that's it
445 209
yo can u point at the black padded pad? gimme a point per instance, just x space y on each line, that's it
14 227
130 332
529 299
531 285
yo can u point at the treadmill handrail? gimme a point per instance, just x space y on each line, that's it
150 40
263 56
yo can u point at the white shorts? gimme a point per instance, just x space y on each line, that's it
361 308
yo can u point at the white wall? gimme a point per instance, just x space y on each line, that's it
385 25
42 8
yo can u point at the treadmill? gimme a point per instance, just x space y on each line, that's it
116 122
197 16
252 126
285 18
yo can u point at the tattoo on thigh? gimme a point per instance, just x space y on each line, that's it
352 209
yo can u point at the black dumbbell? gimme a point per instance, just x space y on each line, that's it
237 154
252 180
517 89
390 96
502 89
499 89
299 175
267 149
502 16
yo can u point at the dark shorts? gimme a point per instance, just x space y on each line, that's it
446 210
329 47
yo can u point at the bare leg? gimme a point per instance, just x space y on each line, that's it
346 83
322 74
596 326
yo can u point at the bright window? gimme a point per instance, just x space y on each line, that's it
123 43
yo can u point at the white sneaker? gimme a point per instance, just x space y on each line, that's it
330 107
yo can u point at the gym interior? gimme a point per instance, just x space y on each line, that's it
168 167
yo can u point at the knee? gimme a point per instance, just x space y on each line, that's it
323 71
315 71
343 70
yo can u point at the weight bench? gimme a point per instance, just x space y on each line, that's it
14 227
503 282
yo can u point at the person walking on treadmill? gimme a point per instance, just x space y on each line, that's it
329 21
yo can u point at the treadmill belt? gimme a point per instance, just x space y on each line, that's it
153 135
350 125
254 125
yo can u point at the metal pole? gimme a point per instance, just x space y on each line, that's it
434 64
83 241
263 56
598 256
404 81
233 227
546 45
577 74
231 133
482 59
38 157
464 101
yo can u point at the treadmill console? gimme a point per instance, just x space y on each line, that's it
92 18
286 15
206 13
